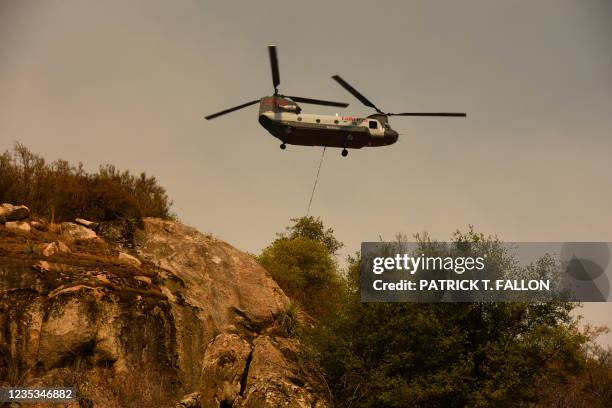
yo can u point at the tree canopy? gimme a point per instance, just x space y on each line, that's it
424 354
302 262
313 229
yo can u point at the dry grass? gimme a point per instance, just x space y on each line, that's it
101 387
144 388
12 371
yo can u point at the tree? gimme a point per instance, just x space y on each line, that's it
592 388
313 229
445 354
302 263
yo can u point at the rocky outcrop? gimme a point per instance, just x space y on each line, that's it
189 401
18 226
181 313
263 373
54 248
9 212
129 259
226 361
86 223
76 232
274 378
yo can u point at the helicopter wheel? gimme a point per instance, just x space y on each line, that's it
283 146
344 152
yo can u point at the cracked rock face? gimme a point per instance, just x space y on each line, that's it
188 313
224 370
273 375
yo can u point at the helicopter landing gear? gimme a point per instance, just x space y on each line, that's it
283 146
344 153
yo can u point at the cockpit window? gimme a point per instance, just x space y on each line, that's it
373 124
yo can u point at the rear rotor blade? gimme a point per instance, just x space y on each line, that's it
318 101
274 65
235 108
355 93
448 114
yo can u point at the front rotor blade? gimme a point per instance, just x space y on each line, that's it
235 108
449 114
355 93
319 102
274 65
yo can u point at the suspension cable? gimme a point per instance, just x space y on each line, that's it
315 183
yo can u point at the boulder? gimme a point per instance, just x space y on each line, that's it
189 401
12 212
39 225
144 279
61 247
128 259
76 232
86 223
236 292
18 226
275 377
49 249
224 368
68 328
54 247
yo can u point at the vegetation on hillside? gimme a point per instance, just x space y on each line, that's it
523 355
435 354
60 191
302 261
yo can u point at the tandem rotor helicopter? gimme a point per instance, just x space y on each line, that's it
283 118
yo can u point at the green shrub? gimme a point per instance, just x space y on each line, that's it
289 319
302 262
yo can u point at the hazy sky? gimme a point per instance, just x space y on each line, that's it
128 82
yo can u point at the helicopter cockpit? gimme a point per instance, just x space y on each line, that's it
382 119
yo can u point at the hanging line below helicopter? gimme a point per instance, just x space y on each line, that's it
315 183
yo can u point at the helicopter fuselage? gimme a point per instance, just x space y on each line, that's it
284 119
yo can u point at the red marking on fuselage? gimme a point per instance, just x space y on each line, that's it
276 101
352 119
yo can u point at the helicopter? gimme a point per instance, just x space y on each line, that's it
283 118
